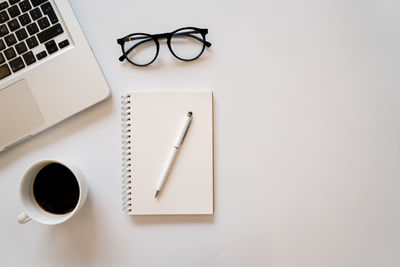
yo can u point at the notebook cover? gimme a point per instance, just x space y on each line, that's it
155 119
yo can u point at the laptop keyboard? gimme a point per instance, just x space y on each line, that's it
25 25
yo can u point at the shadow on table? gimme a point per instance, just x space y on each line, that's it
76 240
160 63
171 219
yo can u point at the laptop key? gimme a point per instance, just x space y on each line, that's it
32 28
3 5
35 13
63 43
10 39
46 8
13 25
2 59
10 53
21 48
49 11
52 16
4 71
2 45
25 6
37 2
43 23
4 16
12 2
51 47
24 19
49 33
21 34
32 42
29 58
41 55
17 64
3 30
14 11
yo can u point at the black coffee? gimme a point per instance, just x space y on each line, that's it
56 189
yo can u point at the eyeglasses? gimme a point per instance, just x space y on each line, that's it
141 49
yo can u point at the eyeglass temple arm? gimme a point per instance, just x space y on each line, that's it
208 44
123 57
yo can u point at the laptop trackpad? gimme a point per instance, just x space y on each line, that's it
19 113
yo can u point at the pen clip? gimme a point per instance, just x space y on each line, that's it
184 135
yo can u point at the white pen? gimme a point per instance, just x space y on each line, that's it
174 152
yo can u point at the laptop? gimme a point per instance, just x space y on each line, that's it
47 69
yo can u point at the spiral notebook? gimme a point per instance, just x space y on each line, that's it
151 121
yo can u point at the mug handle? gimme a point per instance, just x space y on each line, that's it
23 218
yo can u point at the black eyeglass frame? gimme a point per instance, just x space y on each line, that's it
155 37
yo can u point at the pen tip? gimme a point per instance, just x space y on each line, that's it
158 191
190 114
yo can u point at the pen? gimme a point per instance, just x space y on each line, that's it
174 152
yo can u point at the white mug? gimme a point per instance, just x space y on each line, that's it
31 208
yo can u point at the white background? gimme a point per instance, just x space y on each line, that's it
307 141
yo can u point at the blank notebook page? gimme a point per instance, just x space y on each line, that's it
156 119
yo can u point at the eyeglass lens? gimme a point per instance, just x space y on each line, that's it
140 49
187 44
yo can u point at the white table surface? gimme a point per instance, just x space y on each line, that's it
307 143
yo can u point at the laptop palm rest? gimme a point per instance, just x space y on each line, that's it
19 113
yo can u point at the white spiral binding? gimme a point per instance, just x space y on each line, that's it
126 115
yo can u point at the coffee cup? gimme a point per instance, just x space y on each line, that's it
51 192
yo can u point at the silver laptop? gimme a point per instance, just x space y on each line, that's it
47 69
